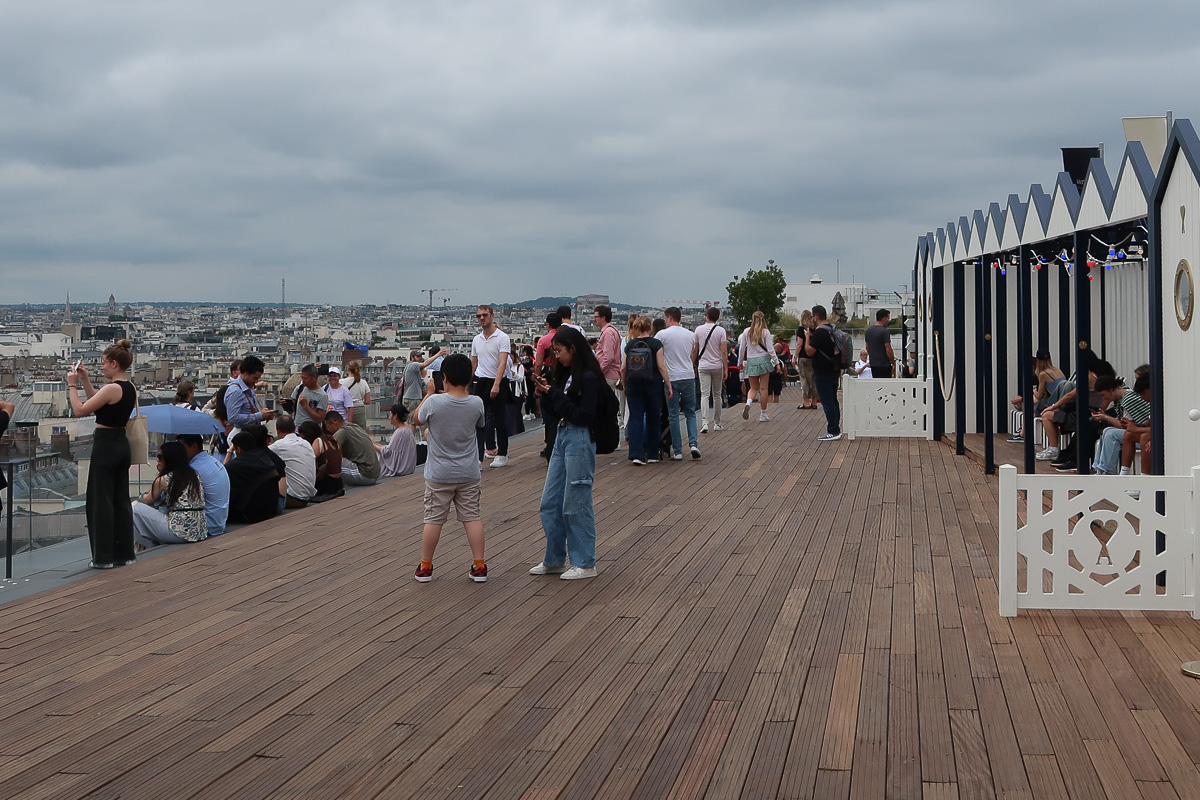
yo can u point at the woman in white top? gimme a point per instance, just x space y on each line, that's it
360 391
757 356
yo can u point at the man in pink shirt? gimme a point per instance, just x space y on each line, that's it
608 352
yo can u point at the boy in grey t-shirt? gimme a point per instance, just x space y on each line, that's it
452 466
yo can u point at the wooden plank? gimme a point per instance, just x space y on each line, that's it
763 625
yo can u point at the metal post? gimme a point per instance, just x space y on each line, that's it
939 332
1024 350
1083 351
1064 315
1000 346
960 358
977 334
1043 315
8 537
985 348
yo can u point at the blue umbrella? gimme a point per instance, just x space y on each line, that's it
177 419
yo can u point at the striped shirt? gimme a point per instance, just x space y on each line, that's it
1134 407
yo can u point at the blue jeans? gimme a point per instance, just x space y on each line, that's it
1108 460
827 391
645 402
566 511
683 397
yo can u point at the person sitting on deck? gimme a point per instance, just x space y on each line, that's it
257 480
1059 416
399 455
299 462
329 461
360 462
172 511
1048 378
213 479
1128 420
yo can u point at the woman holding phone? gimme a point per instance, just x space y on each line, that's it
573 394
109 513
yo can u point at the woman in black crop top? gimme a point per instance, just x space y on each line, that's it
109 513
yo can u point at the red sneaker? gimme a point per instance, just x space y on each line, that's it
478 574
424 574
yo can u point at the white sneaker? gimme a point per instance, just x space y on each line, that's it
542 569
829 437
575 573
762 417
746 411
704 428
500 461
1046 455
695 452
677 456
717 426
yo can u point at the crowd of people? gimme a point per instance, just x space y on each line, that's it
657 383
1118 425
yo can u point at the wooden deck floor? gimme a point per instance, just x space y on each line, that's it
780 619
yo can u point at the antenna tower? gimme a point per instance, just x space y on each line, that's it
283 295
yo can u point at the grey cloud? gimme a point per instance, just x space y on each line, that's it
538 147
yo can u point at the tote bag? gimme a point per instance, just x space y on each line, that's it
138 435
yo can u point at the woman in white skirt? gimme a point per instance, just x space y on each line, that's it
758 359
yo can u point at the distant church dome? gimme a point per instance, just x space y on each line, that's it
815 279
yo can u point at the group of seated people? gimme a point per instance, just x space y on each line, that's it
1119 422
314 455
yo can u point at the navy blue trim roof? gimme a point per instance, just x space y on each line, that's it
953 240
1182 140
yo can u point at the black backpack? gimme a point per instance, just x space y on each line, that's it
605 432
639 362
843 347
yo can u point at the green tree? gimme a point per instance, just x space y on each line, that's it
786 327
761 290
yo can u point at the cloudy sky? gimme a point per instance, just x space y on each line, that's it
645 149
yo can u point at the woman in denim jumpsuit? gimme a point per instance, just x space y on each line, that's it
566 510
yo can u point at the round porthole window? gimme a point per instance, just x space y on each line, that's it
1185 294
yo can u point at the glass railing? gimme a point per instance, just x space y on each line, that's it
45 502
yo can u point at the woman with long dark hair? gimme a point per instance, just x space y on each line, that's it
329 458
109 515
172 512
566 510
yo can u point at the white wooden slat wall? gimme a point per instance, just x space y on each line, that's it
1180 237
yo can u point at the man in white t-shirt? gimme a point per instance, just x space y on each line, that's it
490 352
565 313
712 349
678 345
299 462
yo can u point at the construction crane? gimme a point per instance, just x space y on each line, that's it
444 299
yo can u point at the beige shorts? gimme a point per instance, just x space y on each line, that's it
438 497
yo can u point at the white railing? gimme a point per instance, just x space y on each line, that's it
1086 543
896 407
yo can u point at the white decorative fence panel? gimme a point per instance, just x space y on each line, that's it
895 407
1086 543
